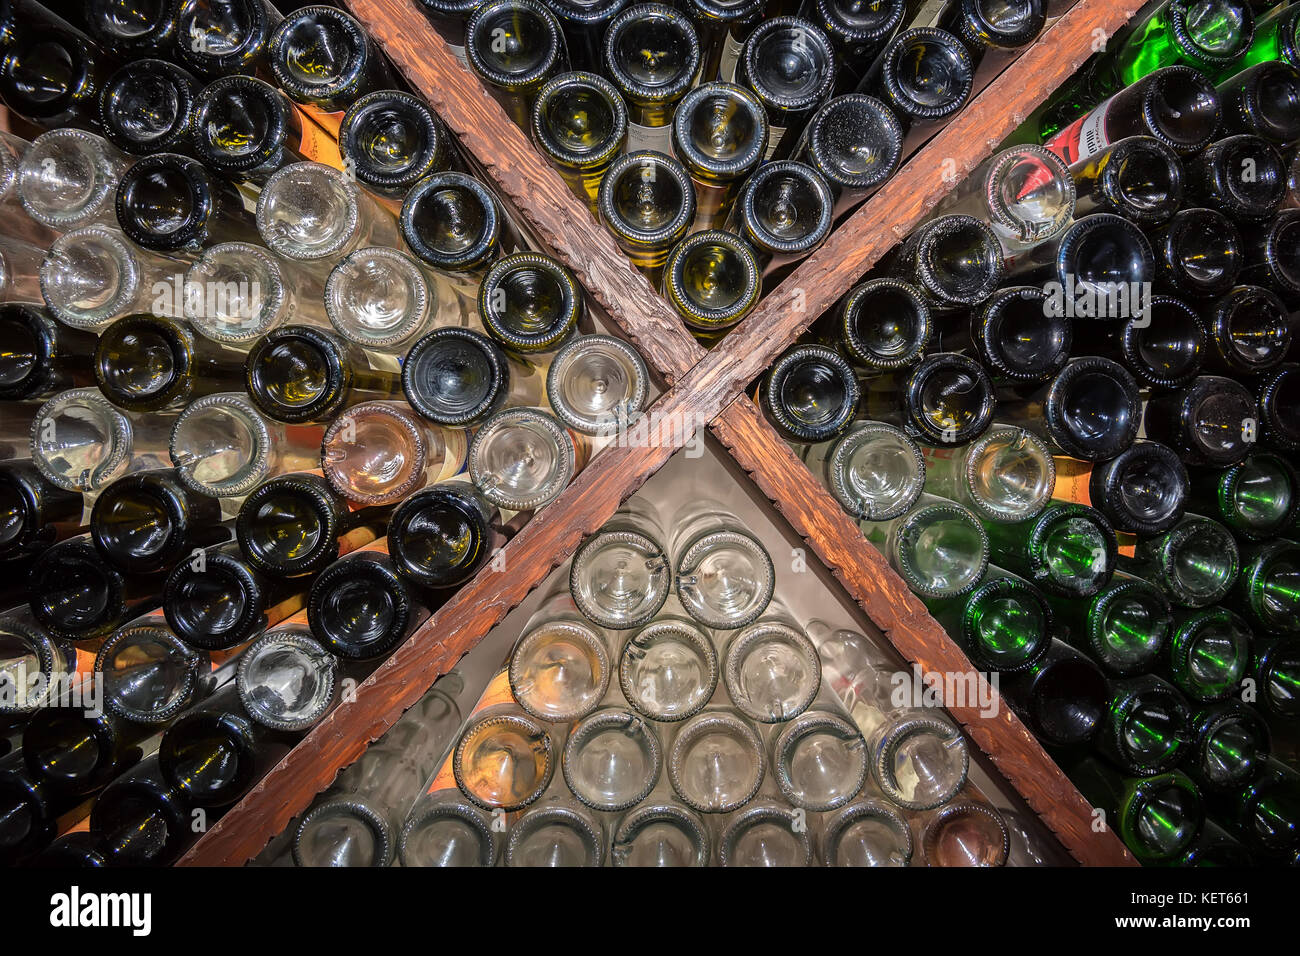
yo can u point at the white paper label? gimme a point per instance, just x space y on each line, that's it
658 138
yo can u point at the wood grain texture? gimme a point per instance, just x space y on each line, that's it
907 199
519 172
881 593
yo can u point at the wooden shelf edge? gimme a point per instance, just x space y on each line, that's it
519 172
883 596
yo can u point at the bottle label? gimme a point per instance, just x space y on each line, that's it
657 138
1085 137
774 136
455 454
317 144
330 122
1073 481
731 47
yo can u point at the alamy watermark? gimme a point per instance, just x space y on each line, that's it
22 689
235 300
1098 300
657 429
918 688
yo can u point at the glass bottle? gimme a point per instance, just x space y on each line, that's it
856 142
1210 37
458 378
141 821
966 833
810 395
1025 193
80 442
783 211
1249 331
788 63
716 762
504 758
377 453
40 357
1261 100
597 384
146 522
1209 653
1006 26
1276 668
712 280
1062 697
1267 585
1017 337
237 292
884 324
1277 393
857 30
923 74
139 29
585 23
20 264
361 608
67 176
612 759
947 399
1215 177
1264 814
939 548
579 123
722 26
1004 625
557 832
451 222
1199 254
1138 177
148 363
1228 743
51 72
954 260
1147 726
620 577
720 135
1068 549
1090 410
1123 627
78 752
651 54
169 203
441 536
668 670
34 512
1276 36
764 833
1210 421
522 458
875 471
1007 475
286 680
1101 267
724 576
308 211
228 37
1195 562
559 669
1255 498
1162 350
647 201
866 832
662 833
771 669
391 140
147 106
530 303
446 829
514 47
1156 817
41 671
1269 256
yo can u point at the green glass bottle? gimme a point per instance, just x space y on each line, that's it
1147 726
1195 562
1210 35
939 548
1215 847
1156 817
1229 742
1256 498
1068 549
1123 628
1003 625
1265 815
1209 653
1269 585
1276 670
1277 37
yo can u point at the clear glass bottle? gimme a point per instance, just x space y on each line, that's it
620 577
504 758
382 300
81 442
874 471
579 123
309 211
378 453
20 265
720 136
724 575
237 292
716 762
660 833
522 458
38 668
597 384
819 760
651 53
612 759
771 669
764 833
1006 475
559 669
67 178
286 680
939 548
558 832
1025 193
966 833
866 832
668 669
647 200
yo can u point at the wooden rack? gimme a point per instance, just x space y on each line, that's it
704 386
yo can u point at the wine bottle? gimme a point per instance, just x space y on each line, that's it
1002 27
711 279
585 23
1249 331
459 377
1139 178
1266 586
441 536
559 669
705 534
856 143
1006 475
597 384
621 576
51 72
1016 336
1025 193
1062 697
1143 490
136 29
875 471
141 821
299 373
1090 410
1123 628
1198 254
1147 726
40 357
1277 393
77 596
222 446
1004 625
504 757
67 176
1156 817
147 106
1229 742
514 47
1255 498
955 260
20 264
296 524
722 26
1269 256
660 832
1068 549
245 129
1210 39
452 222
1210 421
77 752
391 140
41 670
579 123
147 363
810 395
1215 848
651 53
939 548
764 833
286 679
377 453
1209 653
699 779
147 522
784 212
168 202
1261 100
236 292
720 135
530 303
1265 814
234 36
866 832
884 324
323 58
216 599
32 812
522 434
924 75
647 201
80 442
1195 562
668 670
788 63
1242 176
94 275
1275 39
947 399
34 512
612 759
559 832
753 688
966 833
308 212
1162 350
857 30
1176 105
1275 667
448 18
